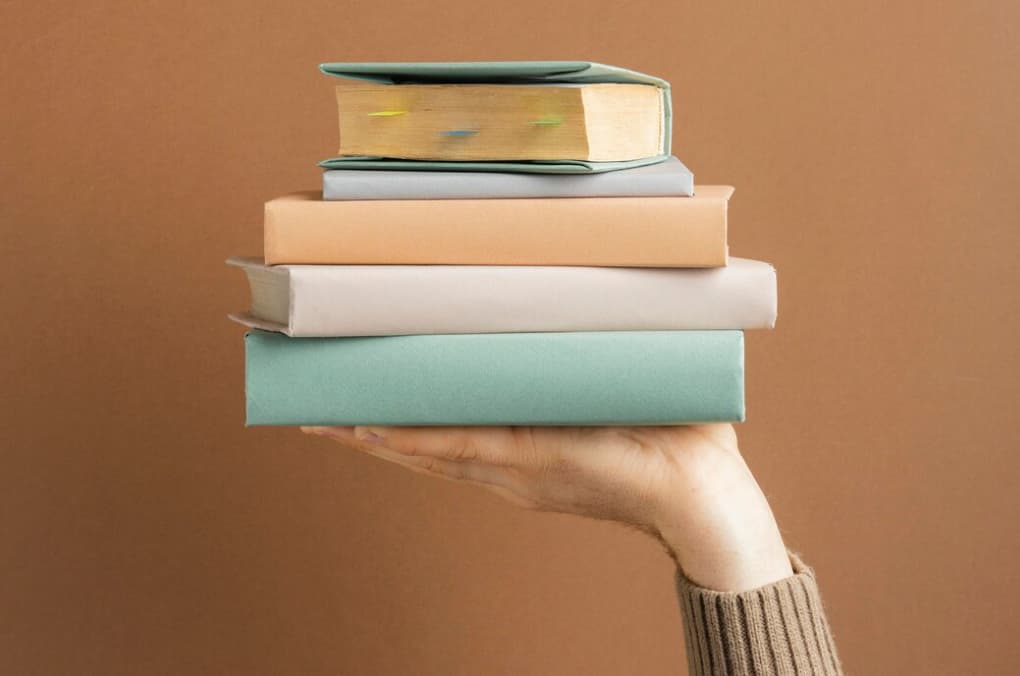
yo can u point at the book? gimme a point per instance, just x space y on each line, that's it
603 122
596 378
384 300
466 134
669 178
605 231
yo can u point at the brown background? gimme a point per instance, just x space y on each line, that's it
143 530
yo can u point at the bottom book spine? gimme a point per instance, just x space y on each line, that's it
592 378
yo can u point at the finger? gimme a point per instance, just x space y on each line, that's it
492 478
511 496
445 469
421 442
492 445
329 431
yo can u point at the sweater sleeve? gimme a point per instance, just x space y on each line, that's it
774 630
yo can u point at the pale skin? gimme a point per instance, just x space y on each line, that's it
687 486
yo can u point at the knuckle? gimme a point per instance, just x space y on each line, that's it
525 448
461 448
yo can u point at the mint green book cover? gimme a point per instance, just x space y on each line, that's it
500 72
584 378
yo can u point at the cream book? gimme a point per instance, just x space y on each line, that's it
387 300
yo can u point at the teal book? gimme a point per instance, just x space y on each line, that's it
580 378
568 73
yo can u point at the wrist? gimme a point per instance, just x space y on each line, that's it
734 569
720 529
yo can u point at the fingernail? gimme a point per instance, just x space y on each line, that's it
368 434
314 430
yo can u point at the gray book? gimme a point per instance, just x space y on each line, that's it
669 178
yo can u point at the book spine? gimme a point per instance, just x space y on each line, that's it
609 231
379 300
636 378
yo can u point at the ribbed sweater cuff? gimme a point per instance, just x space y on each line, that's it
770 631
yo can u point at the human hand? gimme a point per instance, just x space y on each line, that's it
688 486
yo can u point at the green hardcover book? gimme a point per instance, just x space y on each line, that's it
547 73
585 378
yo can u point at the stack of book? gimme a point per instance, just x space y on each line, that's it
501 243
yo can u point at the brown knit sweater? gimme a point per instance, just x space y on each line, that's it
770 631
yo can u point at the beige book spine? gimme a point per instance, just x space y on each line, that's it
612 231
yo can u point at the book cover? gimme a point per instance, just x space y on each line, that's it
597 378
603 231
380 300
665 179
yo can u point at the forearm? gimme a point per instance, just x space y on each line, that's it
776 629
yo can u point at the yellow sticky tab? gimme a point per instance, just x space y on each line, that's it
547 121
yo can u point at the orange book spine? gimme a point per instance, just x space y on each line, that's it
610 231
